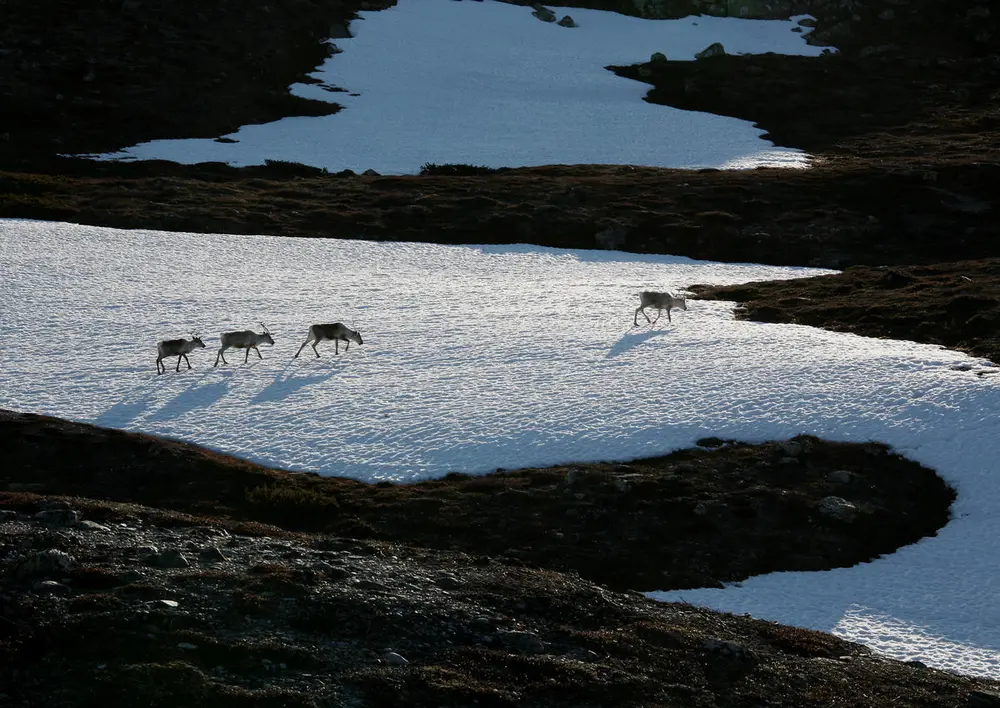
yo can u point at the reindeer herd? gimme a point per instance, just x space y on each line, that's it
248 339
337 333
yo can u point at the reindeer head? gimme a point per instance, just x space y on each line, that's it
682 303
196 340
267 335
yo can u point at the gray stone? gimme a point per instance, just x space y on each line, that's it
212 554
567 21
840 477
729 650
58 517
92 526
45 564
527 642
792 448
370 173
658 58
168 559
715 49
7 515
394 659
837 508
543 13
51 587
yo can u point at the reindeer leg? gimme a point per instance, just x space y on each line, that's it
315 349
658 314
348 347
247 357
178 367
159 363
256 349
220 354
668 315
635 318
336 346
186 361
303 347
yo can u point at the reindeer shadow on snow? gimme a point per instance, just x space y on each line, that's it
632 339
288 381
193 398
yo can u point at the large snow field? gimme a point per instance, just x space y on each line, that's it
487 83
508 356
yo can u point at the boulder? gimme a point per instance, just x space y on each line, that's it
715 49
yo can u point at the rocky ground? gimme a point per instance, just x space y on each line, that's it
149 572
459 592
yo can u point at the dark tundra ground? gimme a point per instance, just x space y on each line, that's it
140 571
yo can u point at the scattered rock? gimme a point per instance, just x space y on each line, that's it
51 587
45 564
837 508
370 173
527 642
212 554
715 49
567 21
791 448
543 13
168 559
658 58
7 515
840 477
58 517
92 526
394 659
733 650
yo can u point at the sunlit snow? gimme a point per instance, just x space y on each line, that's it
489 84
508 356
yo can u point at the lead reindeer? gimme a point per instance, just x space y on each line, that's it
178 348
247 339
661 301
337 332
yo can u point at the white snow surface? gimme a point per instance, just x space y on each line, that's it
489 84
479 357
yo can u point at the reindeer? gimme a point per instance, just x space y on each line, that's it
178 348
661 301
337 332
247 339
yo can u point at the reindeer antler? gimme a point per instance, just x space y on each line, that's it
266 330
